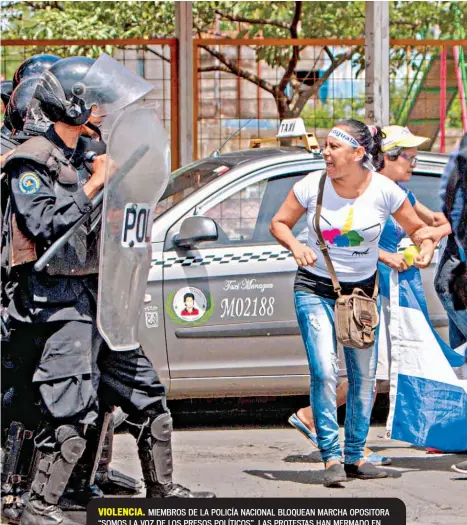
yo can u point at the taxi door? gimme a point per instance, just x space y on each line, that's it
229 308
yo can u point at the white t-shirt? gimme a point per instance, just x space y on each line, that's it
350 227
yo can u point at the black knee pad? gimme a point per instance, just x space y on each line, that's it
54 470
161 427
161 431
155 450
65 432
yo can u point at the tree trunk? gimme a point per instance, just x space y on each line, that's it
285 112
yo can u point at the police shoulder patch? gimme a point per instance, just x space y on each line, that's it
29 183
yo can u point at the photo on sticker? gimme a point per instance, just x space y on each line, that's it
189 304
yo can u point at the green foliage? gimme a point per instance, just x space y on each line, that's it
454 116
152 19
317 114
244 19
318 20
428 19
90 20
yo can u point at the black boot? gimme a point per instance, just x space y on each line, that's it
109 480
155 454
97 456
112 481
80 491
51 480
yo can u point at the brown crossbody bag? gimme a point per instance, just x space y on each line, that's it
355 315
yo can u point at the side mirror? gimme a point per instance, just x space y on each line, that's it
195 230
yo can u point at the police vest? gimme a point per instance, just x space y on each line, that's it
80 255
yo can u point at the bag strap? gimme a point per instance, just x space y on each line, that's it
376 290
322 244
323 247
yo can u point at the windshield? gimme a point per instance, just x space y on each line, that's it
189 179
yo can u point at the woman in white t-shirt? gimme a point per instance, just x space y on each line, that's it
357 202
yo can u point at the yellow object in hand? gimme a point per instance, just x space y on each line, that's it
410 253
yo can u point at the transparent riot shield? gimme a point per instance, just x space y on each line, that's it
109 86
137 175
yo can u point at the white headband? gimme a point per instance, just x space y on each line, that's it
340 134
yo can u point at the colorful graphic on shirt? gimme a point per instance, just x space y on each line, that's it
29 183
347 236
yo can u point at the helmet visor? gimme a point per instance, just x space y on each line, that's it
48 92
109 86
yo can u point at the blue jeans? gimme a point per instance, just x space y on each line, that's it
315 316
457 320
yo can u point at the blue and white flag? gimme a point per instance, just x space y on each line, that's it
428 403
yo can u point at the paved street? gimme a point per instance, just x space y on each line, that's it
276 462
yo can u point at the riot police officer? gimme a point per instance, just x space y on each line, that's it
54 311
33 66
18 454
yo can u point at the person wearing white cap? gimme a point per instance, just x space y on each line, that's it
400 137
400 158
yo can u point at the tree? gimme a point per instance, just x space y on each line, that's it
133 19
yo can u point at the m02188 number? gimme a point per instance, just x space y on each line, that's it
233 307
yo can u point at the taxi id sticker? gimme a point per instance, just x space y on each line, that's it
151 316
190 305
29 183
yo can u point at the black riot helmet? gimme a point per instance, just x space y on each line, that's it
17 108
33 66
76 87
6 90
56 91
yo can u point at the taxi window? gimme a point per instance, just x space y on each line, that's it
189 179
245 216
426 187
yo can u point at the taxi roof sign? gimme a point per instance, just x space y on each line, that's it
291 127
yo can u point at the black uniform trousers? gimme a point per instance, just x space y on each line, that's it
72 369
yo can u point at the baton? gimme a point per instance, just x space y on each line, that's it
96 201
100 446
